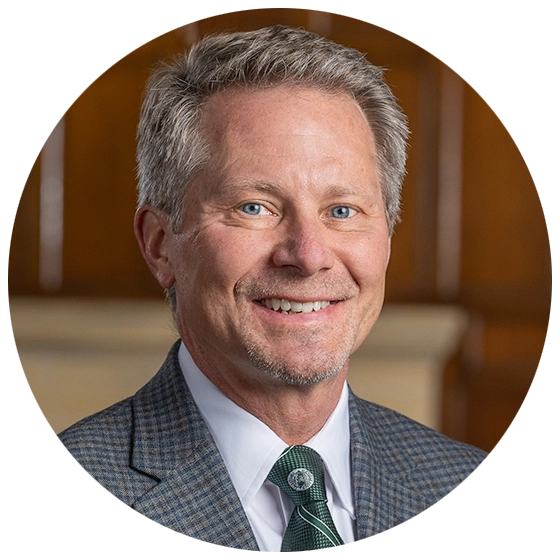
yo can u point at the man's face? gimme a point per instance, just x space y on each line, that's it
280 263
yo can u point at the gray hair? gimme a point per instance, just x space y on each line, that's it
171 148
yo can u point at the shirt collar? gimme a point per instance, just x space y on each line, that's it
249 463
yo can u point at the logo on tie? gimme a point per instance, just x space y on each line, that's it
298 472
300 479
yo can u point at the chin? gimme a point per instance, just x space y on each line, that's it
311 372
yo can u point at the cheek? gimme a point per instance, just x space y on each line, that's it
369 266
367 261
215 259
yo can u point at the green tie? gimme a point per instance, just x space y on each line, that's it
298 472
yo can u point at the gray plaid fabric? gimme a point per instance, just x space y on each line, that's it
154 452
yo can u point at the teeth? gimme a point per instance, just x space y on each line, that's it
287 306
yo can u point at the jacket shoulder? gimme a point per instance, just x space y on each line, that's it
432 463
104 432
102 444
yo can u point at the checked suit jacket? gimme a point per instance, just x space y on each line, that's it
154 452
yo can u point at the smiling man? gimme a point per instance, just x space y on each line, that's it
270 167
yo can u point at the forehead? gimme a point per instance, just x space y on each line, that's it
281 117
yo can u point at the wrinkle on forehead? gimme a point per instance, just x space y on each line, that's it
271 138
225 114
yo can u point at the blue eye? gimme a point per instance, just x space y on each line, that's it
252 208
341 212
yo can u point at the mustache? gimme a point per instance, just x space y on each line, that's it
292 284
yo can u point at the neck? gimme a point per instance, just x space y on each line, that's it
295 412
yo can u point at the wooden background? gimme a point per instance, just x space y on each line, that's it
473 232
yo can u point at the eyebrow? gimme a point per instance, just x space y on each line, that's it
265 186
342 190
253 185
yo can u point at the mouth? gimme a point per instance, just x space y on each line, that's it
289 307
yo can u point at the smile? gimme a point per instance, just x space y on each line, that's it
289 307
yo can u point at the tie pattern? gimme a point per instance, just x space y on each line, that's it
298 472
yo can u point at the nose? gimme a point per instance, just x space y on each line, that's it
305 247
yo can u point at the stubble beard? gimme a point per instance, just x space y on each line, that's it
280 370
315 370
320 362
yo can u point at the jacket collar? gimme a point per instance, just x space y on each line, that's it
193 493
382 495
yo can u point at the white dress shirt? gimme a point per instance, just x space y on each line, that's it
250 448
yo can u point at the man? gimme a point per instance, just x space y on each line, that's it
270 165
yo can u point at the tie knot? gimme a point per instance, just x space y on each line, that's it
298 472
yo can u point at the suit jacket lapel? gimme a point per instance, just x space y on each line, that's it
198 499
382 497
192 491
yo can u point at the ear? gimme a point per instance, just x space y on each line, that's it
154 235
389 249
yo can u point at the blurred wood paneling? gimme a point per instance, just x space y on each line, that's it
100 254
505 237
24 248
503 279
